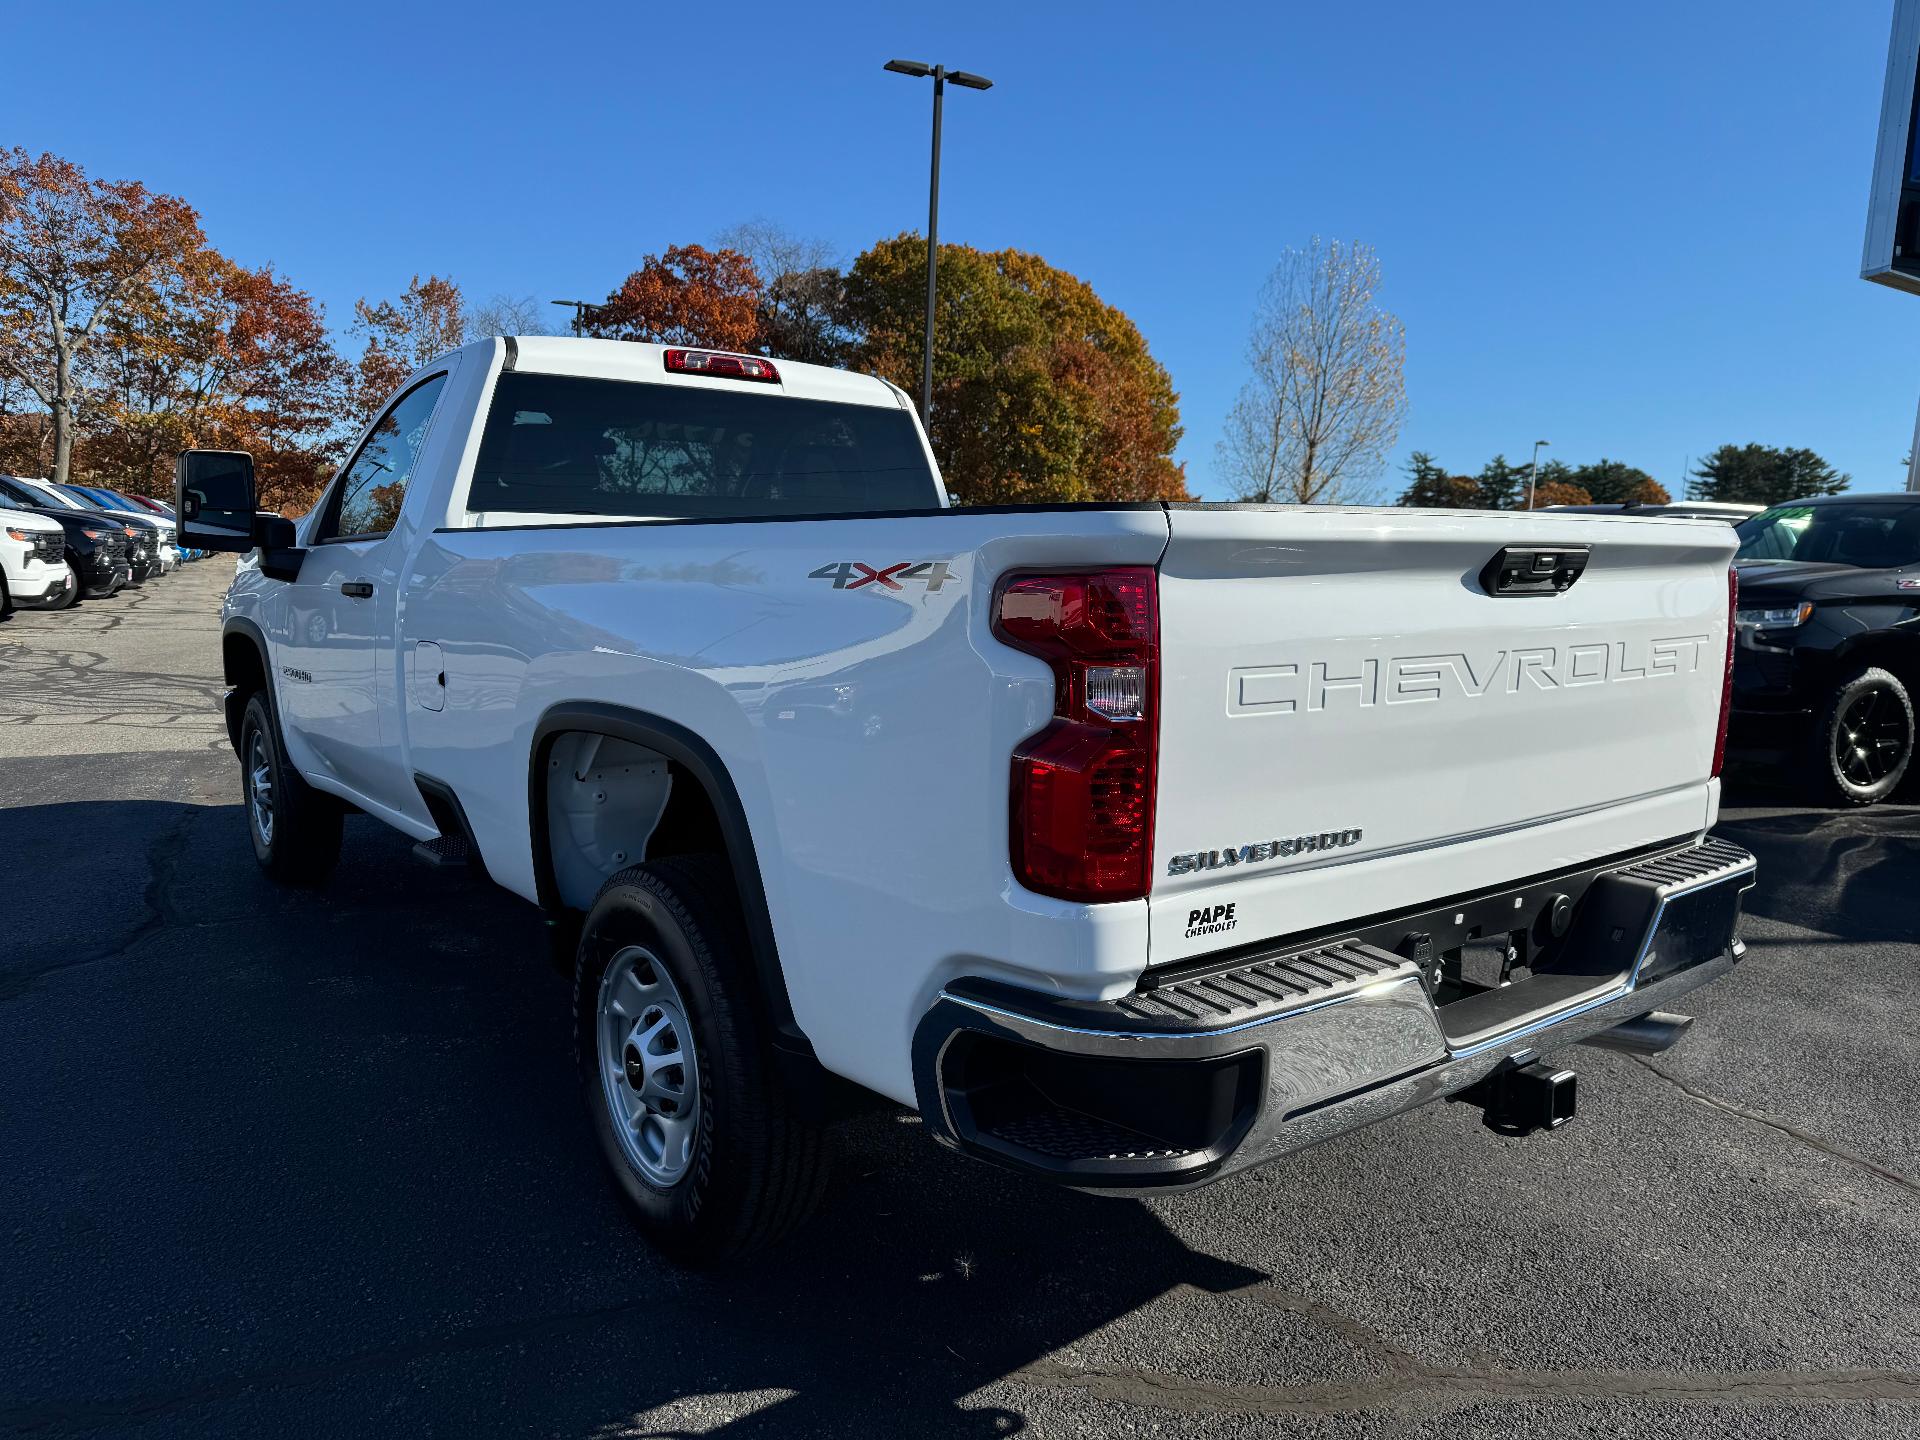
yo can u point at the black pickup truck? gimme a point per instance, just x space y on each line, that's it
1828 653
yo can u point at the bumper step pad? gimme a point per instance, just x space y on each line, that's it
1264 986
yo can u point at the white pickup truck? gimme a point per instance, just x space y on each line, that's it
1131 845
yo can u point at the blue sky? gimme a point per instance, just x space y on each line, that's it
1631 229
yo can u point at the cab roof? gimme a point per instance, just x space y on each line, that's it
639 361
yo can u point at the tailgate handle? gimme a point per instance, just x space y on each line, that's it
1534 569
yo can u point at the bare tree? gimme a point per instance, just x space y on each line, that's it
1323 407
802 305
508 315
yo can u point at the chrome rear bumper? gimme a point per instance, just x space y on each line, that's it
1196 1078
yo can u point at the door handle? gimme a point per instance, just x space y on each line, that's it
357 589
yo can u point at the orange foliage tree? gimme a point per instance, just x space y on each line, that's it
1557 492
75 256
1042 391
241 360
401 335
689 295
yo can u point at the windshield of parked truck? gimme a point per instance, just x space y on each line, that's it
567 445
1873 536
43 495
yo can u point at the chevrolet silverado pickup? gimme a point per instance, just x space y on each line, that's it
1128 844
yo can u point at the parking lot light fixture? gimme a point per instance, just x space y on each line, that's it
580 309
919 70
1533 470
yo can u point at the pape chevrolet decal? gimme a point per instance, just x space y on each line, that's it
858 575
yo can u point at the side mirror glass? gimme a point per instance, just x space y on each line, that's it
213 494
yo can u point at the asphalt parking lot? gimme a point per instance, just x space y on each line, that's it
314 1164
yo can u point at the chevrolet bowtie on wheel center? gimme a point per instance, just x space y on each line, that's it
1130 845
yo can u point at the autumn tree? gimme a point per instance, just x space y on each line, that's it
26 429
284 390
1326 389
1557 492
1041 390
1764 475
401 335
243 361
689 295
1612 482
801 309
75 254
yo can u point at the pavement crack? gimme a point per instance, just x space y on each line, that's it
163 857
1784 1127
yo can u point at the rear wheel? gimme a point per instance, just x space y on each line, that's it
677 1067
295 828
1864 742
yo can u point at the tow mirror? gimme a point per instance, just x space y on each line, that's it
213 494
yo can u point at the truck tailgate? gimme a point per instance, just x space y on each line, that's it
1350 723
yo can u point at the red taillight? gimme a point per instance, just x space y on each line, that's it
1083 788
726 367
1726 683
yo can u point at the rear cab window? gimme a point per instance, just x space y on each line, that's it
571 445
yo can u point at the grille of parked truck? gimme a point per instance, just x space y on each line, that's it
1130 845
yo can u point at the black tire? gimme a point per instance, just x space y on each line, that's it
6 597
73 590
1863 743
755 1169
301 841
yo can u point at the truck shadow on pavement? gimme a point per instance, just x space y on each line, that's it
285 1161
1852 872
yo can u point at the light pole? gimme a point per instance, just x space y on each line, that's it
1533 470
940 75
580 308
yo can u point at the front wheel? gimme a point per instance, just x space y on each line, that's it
1864 741
677 1067
72 596
295 828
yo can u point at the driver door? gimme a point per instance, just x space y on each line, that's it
343 604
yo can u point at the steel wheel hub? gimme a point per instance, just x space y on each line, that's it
260 788
648 1070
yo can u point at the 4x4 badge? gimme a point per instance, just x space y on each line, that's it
855 575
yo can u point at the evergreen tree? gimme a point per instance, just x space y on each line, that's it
1764 475
1613 482
1430 487
1502 486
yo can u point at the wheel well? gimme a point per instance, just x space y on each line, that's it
240 662
244 665
1897 653
609 803
687 804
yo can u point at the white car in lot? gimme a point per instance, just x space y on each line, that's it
1129 844
34 573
